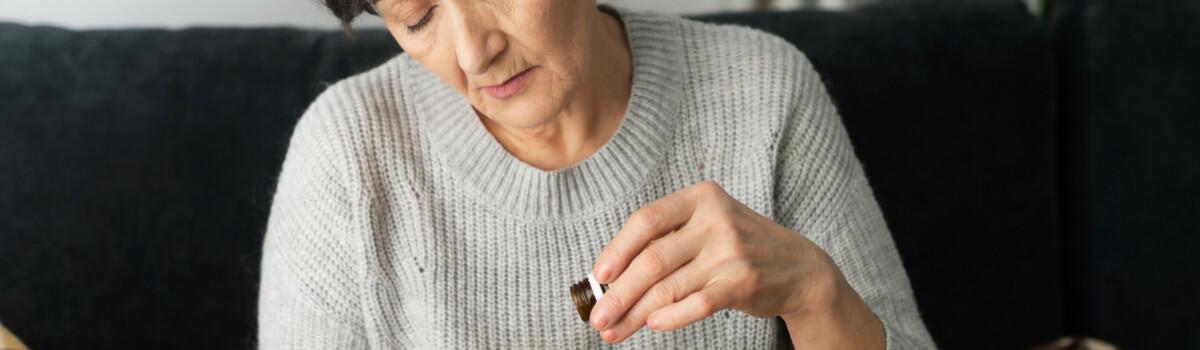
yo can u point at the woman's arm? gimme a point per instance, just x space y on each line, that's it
826 263
823 193
307 296
835 316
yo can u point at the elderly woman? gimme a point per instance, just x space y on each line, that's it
449 197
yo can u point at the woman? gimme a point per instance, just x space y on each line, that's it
449 197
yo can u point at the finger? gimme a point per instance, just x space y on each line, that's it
692 309
644 225
652 265
679 284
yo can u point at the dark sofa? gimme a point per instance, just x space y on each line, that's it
1040 177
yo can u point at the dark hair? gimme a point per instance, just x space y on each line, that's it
347 10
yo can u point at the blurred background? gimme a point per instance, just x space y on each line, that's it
1037 162
308 13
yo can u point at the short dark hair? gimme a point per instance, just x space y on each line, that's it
347 10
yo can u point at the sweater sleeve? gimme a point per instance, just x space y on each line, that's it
823 193
307 296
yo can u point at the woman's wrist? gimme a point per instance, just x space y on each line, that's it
833 315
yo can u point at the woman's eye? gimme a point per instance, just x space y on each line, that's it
424 21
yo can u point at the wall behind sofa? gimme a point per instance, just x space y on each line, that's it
300 13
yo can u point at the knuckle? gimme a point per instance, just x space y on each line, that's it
654 262
664 292
722 223
647 217
737 252
709 187
706 303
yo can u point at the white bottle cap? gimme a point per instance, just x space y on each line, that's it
596 290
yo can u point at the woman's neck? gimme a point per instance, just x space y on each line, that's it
591 116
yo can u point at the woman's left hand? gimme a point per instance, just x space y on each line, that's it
697 251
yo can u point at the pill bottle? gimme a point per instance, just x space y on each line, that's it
585 294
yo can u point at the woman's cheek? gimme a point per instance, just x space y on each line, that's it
416 47
442 61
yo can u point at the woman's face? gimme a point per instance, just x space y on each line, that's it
538 47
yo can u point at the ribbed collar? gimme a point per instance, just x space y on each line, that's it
507 184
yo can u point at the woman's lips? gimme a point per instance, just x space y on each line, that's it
510 87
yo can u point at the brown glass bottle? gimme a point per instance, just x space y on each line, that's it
585 294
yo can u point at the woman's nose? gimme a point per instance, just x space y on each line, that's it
477 43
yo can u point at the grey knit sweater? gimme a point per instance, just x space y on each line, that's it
400 222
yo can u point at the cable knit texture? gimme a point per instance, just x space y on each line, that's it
400 222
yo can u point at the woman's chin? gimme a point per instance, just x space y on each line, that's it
520 112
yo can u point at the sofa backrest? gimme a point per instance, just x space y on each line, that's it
1130 87
137 169
949 105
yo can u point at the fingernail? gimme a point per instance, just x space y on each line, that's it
608 335
602 274
652 323
599 321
